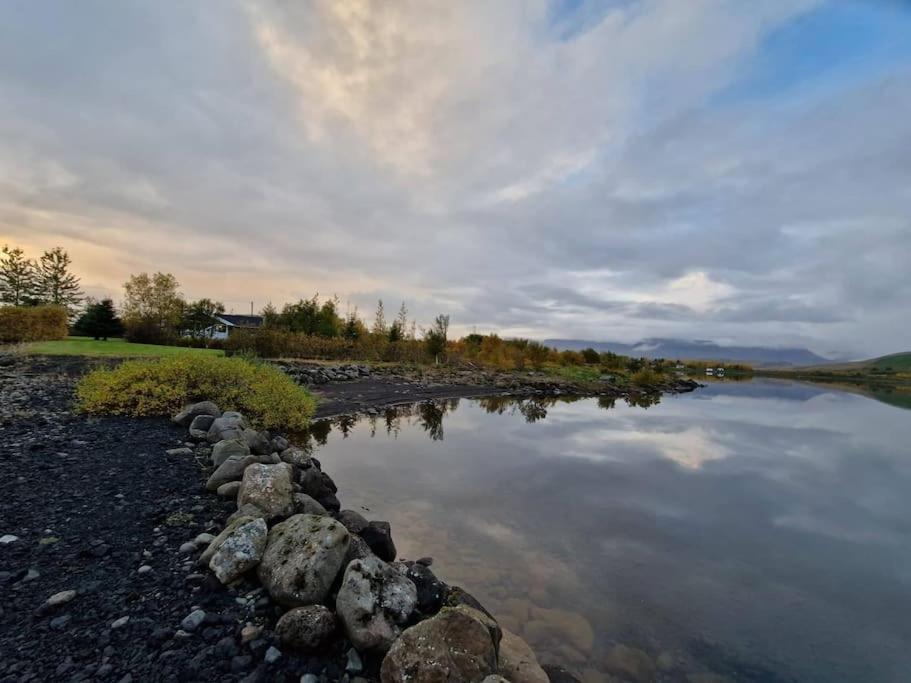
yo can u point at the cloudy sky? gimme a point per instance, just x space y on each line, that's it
607 169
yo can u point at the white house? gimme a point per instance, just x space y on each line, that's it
225 323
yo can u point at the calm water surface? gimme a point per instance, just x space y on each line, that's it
760 531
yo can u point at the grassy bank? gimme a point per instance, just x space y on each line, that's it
86 346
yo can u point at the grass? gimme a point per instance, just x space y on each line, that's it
899 362
86 346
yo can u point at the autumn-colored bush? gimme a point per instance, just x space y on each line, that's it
262 392
272 343
32 323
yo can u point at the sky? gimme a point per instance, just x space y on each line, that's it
729 170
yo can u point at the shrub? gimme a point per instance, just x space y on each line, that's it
268 397
35 323
271 343
645 375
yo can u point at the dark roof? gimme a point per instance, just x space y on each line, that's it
241 320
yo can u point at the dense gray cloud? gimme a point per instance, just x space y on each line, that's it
529 169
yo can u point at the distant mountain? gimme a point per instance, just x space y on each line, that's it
674 349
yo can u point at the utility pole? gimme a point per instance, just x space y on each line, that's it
251 308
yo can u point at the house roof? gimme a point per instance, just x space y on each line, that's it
240 320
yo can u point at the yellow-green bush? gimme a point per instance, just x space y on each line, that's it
268 397
32 323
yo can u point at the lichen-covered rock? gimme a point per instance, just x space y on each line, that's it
258 442
216 542
354 521
240 551
228 448
246 511
302 558
374 602
199 427
295 456
229 490
306 628
517 661
185 417
231 469
305 505
455 645
379 537
228 426
268 487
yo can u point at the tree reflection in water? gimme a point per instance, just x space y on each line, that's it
429 414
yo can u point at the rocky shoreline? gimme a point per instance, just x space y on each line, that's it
116 566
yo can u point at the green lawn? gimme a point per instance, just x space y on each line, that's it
86 346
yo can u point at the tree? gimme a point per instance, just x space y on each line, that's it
271 317
354 329
153 307
55 284
399 327
18 277
200 315
379 321
99 321
435 337
591 356
537 354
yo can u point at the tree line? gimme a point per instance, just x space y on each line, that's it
44 281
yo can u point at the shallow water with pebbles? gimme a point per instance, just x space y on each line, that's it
751 531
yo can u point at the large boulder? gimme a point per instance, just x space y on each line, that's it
374 602
225 449
305 505
231 469
517 661
229 529
258 442
379 537
199 427
357 550
306 628
185 417
302 558
240 551
228 426
268 487
455 645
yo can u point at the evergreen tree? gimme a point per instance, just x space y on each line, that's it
353 327
18 277
435 337
398 328
55 283
99 321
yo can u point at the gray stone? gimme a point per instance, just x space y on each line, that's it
302 558
309 678
246 511
216 542
357 550
231 469
228 448
193 620
185 417
295 456
229 490
279 443
203 539
60 598
228 426
144 569
306 628
257 442
354 522
455 645
379 537
187 548
8 538
120 623
304 504
374 602
354 664
268 487
199 427
179 451
273 654
240 551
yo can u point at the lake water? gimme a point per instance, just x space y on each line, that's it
760 531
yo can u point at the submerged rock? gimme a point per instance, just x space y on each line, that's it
455 645
517 661
302 558
374 602
630 663
268 487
